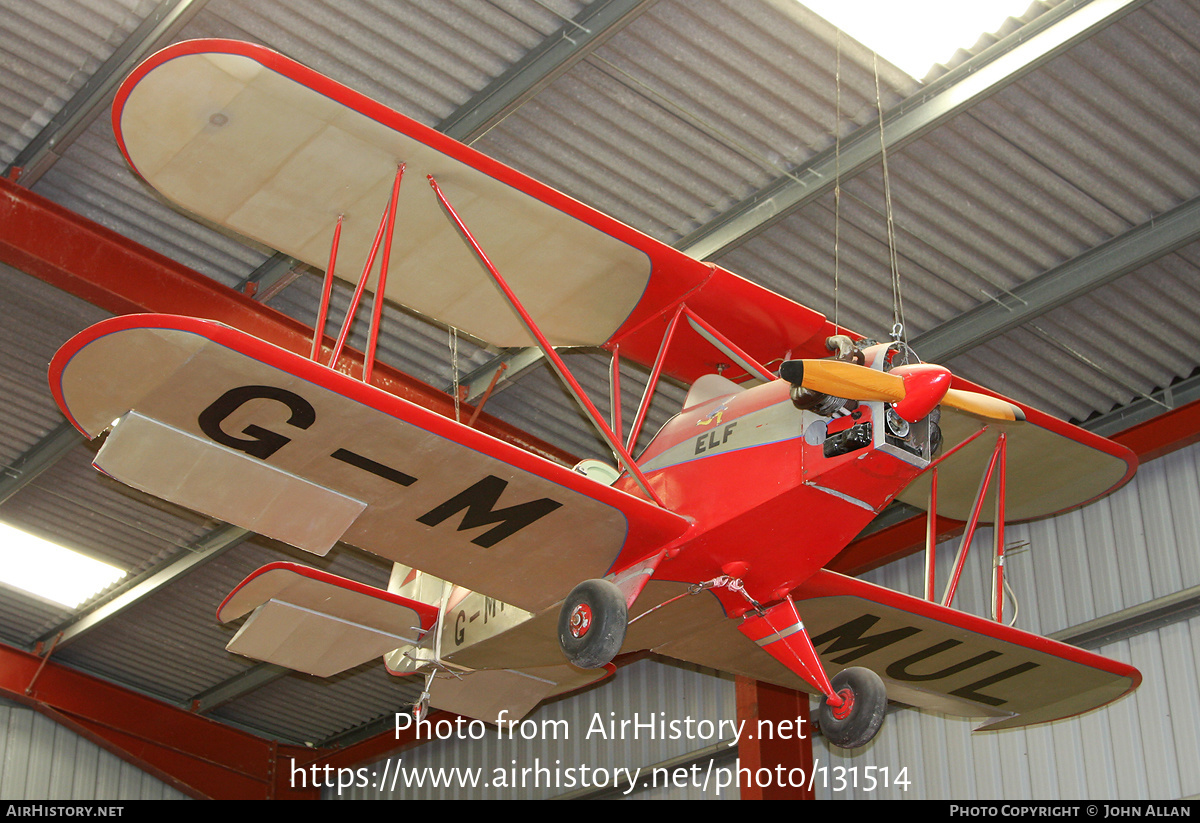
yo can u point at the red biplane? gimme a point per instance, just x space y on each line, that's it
517 578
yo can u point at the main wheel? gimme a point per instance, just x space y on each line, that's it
592 623
864 703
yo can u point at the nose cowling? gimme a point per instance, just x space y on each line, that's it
925 385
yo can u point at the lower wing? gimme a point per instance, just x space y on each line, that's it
929 656
216 420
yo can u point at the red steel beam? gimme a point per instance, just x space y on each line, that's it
100 266
374 749
198 756
1163 434
775 757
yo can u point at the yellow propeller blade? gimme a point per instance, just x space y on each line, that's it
841 379
982 405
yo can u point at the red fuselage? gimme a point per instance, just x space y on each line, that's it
749 469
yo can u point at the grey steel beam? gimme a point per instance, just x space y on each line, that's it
272 276
1135 620
234 687
980 77
48 145
212 544
597 22
513 361
1094 268
1143 409
41 456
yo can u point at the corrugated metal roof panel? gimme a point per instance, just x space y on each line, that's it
55 47
35 319
306 709
424 59
1104 350
691 108
1042 171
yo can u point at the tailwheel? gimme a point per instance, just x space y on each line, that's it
592 623
855 722
420 709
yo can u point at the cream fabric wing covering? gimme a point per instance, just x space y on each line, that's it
244 146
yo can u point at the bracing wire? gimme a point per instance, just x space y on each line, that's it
893 258
837 186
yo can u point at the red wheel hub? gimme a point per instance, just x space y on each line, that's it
843 711
581 620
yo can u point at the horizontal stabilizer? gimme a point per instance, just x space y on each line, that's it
318 623
497 695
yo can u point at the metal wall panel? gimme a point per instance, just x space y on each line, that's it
41 760
572 741
1136 545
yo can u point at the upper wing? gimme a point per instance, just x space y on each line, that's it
1052 466
249 139
929 656
219 421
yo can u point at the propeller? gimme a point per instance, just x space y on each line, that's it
913 390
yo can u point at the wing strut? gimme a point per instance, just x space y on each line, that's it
326 290
560 367
644 406
718 340
995 466
387 224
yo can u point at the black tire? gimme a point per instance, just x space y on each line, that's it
592 623
869 704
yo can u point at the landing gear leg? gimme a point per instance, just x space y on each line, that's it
855 700
592 623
